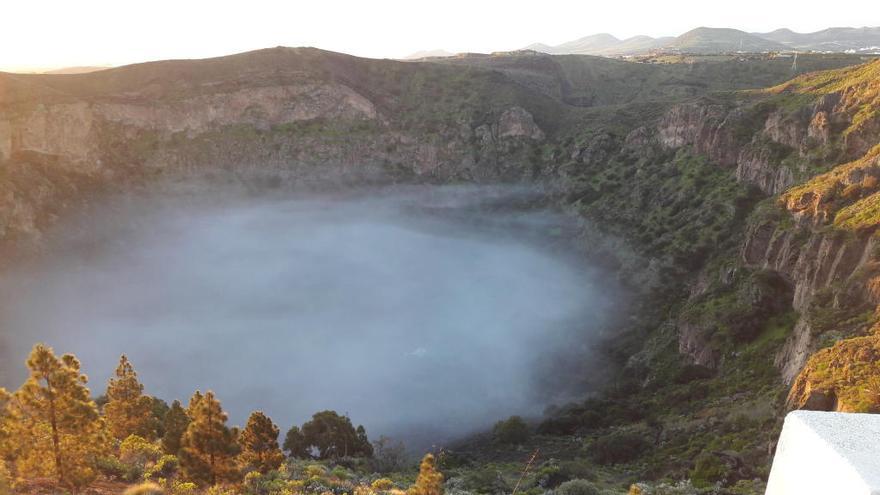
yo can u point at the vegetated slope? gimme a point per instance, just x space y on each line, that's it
675 183
587 81
755 273
721 40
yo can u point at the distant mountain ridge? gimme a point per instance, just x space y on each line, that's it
428 54
708 40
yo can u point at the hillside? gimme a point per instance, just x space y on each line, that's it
828 40
721 40
740 206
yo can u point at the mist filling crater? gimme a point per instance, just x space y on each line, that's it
423 313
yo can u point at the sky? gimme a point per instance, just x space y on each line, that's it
40 34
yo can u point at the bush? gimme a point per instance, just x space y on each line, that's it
486 480
619 447
577 487
692 372
165 467
340 472
315 470
137 450
707 470
111 467
550 476
559 425
183 488
382 484
144 489
512 431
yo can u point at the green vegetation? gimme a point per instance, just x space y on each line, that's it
512 431
577 487
330 435
679 208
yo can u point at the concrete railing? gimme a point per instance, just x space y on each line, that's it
827 453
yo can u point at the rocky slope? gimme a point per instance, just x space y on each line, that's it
802 126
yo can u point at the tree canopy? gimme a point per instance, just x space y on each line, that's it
328 435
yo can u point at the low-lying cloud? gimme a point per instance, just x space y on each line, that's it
420 312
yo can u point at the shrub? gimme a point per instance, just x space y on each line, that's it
550 476
707 470
113 468
559 425
340 472
692 372
382 484
165 467
513 430
144 489
138 450
183 488
577 487
315 470
619 447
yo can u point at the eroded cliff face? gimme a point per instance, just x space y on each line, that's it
820 238
791 145
303 128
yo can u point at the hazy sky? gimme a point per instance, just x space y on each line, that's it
58 33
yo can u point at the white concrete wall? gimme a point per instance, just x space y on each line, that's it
827 453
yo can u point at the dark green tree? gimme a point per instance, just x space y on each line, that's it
333 436
513 430
295 443
174 426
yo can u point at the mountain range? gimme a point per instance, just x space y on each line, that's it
706 40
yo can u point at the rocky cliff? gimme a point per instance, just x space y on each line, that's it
818 236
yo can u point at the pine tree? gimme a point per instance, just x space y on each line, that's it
175 425
128 410
208 448
193 401
56 425
429 481
259 444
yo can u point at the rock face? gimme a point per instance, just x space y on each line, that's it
288 116
823 244
517 122
830 271
843 377
778 156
